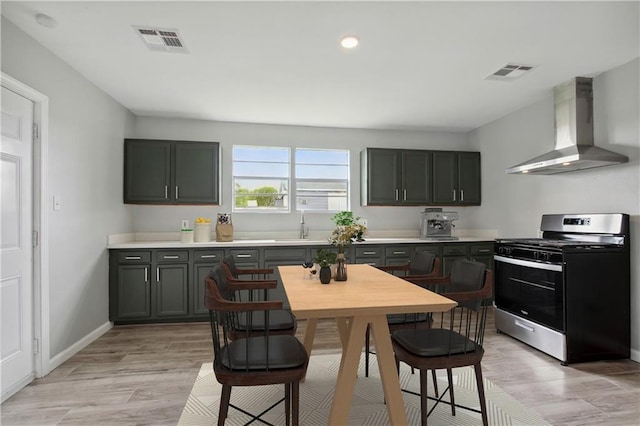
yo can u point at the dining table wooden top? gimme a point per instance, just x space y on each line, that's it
368 290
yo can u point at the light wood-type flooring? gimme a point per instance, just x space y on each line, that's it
143 375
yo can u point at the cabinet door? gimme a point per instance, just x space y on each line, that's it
447 263
200 272
172 290
382 184
134 297
147 171
451 253
469 178
445 172
196 173
416 177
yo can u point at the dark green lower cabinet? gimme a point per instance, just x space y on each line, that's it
168 285
134 292
200 273
172 291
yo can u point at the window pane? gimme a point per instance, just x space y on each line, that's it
261 194
321 171
322 156
260 178
322 179
322 195
261 169
261 154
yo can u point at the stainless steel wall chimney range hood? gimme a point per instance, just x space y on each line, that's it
574 149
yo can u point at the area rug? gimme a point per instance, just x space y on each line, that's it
367 406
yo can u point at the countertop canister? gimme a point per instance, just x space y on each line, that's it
202 232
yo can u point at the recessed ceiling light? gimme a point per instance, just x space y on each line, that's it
566 164
46 20
349 42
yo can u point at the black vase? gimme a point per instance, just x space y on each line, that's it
325 274
341 271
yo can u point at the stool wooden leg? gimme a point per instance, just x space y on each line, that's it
224 404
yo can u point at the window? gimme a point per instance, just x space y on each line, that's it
260 178
321 179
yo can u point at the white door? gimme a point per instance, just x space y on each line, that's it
16 281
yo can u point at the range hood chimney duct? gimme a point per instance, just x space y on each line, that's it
574 149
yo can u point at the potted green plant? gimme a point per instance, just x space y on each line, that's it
325 258
348 229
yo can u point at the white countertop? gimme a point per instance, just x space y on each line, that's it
122 242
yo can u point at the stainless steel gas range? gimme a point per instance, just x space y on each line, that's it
568 293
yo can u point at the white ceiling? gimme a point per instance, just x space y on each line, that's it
420 65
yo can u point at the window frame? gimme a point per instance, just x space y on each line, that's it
284 209
347 180
292 180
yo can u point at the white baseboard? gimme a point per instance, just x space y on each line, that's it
8 393
635 355
57 360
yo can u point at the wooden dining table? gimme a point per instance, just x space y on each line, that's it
364 299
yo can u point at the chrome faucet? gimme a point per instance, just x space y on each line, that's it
304 233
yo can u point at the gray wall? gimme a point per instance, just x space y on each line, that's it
154 218
86 128
513 204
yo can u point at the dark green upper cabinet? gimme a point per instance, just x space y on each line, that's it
380 172
416 179
171 172
395 177
196 173
456 178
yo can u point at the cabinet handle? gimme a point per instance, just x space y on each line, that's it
368 252
404 195
171 257
208 256
146 275
132 258
177 192
399 252
157 274
484 251
166 192
454 195
396 194
462 195
243 255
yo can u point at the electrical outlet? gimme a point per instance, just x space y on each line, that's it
364 222
185 224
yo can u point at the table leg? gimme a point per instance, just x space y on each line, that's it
348 369
343 330
310 334
388 372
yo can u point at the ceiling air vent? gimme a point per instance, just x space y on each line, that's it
509 72
161 40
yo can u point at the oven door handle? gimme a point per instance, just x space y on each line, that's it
526 327
528 263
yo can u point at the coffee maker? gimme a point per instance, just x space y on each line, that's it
437 224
